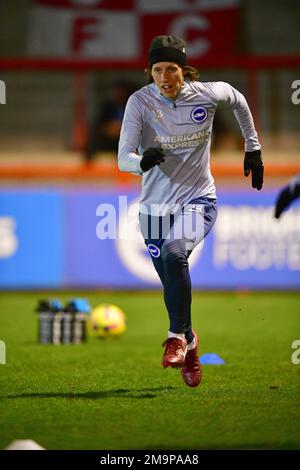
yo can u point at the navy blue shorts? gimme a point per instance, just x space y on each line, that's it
190 224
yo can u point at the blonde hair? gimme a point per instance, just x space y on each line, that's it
189 72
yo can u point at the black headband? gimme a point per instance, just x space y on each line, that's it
166 54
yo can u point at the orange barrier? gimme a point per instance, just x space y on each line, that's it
80 171
110 171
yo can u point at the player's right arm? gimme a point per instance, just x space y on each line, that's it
130 136
128 157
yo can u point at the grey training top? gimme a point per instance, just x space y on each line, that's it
182 128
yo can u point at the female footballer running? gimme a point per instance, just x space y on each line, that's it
166 137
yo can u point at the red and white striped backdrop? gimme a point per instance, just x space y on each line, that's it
122 30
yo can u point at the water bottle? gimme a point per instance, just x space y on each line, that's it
79 308
79 328
67 327
57 328
47 309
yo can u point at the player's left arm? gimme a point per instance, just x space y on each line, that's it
226 94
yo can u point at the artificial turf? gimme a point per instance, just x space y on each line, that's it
113 394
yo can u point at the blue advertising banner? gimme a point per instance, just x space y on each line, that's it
247 247
89 260
86 238
31 237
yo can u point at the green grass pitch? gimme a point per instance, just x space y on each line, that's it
114 394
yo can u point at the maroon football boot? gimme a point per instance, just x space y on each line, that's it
174 353
192 371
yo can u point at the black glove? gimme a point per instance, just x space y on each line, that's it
286 196
253 162
151 157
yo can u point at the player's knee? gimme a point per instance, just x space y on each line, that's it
175 263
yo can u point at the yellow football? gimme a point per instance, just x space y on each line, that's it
106 320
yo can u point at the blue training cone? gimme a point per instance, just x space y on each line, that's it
211 359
